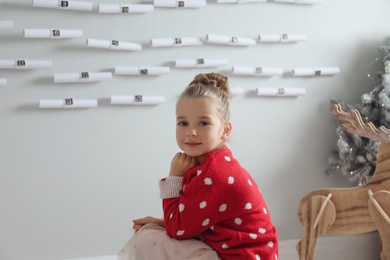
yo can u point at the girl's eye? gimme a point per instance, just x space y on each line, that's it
182 123
203 123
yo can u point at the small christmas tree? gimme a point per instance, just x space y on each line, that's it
355 156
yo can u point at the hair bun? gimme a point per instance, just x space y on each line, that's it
212 79
214 87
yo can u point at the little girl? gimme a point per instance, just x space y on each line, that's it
213 208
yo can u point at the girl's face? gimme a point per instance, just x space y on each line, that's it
199 130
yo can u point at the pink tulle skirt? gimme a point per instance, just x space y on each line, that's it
151 242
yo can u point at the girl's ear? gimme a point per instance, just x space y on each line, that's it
227 130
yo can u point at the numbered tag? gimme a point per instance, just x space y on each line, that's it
55 33
84 77
20 64
138 98
200 61
284 37
64 3
281 91
68 103
178 41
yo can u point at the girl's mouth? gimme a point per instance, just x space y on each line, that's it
192 144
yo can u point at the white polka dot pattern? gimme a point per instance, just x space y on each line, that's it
206 222
253 236
181 207
258 257
262 231
199 172
203 204
238 221
208 181
224 246
227 158
270 244
230 180
223 207
248 205
180 232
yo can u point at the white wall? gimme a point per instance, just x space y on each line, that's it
71 181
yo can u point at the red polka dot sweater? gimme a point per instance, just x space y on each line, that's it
220 203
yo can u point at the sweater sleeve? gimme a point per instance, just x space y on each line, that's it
171 187
193 212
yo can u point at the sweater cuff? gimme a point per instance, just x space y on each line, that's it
171 187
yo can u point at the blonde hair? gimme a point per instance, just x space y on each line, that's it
214 87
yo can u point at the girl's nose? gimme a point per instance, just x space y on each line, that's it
191 132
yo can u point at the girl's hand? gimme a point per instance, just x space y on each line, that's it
181 163
138 223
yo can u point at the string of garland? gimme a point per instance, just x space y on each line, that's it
355 156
